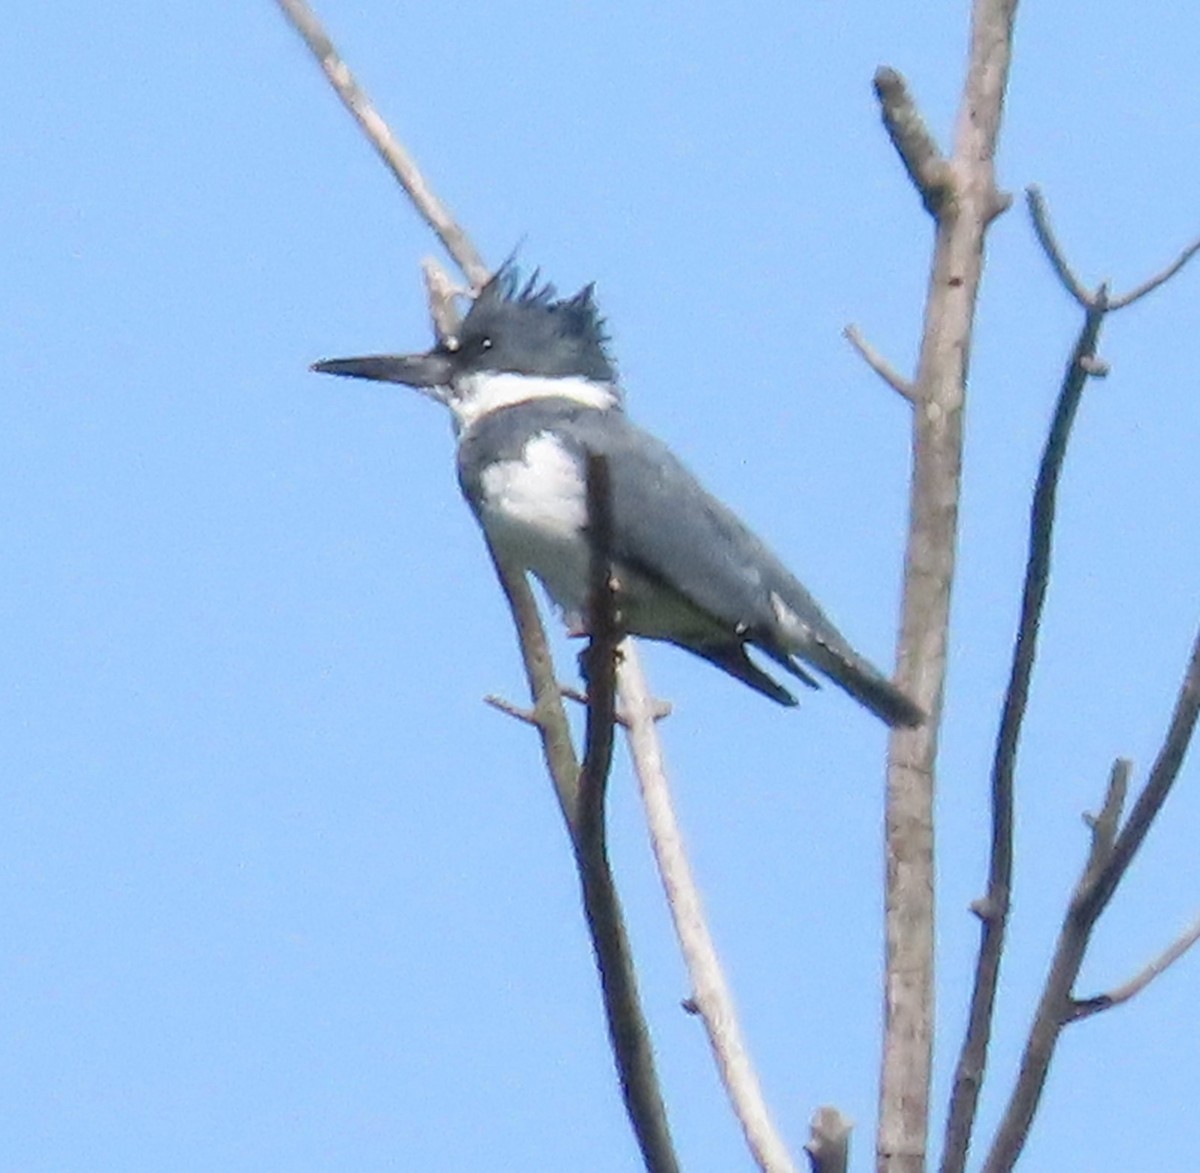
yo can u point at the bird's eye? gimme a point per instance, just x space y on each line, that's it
485 344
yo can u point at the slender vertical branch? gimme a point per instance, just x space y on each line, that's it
600 658
618 982
962 196
993 909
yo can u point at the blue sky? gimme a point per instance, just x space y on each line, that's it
276 890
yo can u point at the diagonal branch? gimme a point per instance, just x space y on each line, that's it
399 161
1054 254
1040 216
993 909
927 167
1107 864
1160 278
711 997
627 1026
1086 1007
880 365
1150 802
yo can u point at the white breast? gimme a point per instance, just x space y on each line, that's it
534 510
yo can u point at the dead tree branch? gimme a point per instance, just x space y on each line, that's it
618 980
993 909
878 363
1046 238
398 160
627 1026
1108 861
961 195
711 997
1040 215
1086 1007
928 169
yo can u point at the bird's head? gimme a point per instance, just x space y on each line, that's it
518 342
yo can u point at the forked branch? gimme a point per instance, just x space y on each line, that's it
993 908
1108 861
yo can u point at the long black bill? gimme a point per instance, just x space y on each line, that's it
413 370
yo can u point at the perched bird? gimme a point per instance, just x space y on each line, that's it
533 390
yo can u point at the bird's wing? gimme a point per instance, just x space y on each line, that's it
670 529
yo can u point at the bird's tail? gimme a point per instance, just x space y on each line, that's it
865 683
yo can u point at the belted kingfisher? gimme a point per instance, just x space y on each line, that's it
533 390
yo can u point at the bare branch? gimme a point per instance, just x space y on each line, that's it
1107 823
398 160
924 162
1108 860
1162 777
660 710
1084 1008
509 709
993 909
600 659
1045 234
627 1026
828 1146
878 363
964 199
1040 215
442 292
1160 278
711 998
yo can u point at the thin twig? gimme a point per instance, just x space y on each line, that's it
878 363
661 709
1151 800
549 716
964 199
1106 865
509 709
711 998
1086 1007
398 160
1050 246
1040 215
1161 278
993 909
442 292
1107 823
